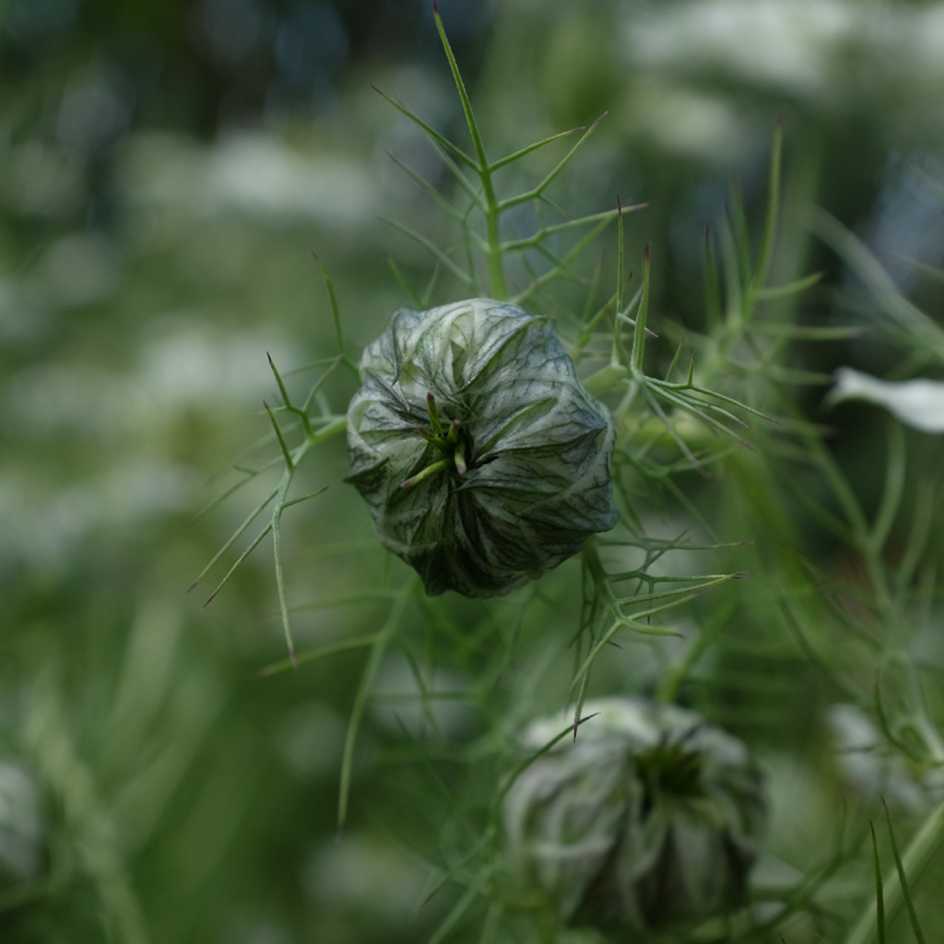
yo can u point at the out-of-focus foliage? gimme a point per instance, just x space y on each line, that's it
166 171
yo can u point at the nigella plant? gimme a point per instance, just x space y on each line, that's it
494 433
649 818
482 458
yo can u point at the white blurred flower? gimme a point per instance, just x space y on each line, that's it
817 50
784 44
687 122
249 173
872 770
918 403
176 369
47 528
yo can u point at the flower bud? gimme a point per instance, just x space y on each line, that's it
483 460
649 820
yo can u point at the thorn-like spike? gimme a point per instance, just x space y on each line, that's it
286 455
278 379
435 7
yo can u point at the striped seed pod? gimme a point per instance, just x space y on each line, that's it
649 820
483 460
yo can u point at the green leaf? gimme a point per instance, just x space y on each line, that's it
531 148
378 649
903 879
771 219
433 249
532 241
879 891
319 652
536 192
286 455
465 101
438 139
248 520
777 292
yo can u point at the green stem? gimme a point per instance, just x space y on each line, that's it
859 526
765 257
916 858
591 556
620 278
496 270
374 660
673 678
637 359
328 431
606 380
492 208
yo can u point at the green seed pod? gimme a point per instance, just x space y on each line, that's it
482 458
649 820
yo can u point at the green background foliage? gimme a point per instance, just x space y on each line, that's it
168 171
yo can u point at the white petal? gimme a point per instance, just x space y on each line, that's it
919 403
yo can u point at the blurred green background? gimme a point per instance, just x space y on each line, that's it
166 171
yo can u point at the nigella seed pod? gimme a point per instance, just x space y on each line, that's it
483 460
650 819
